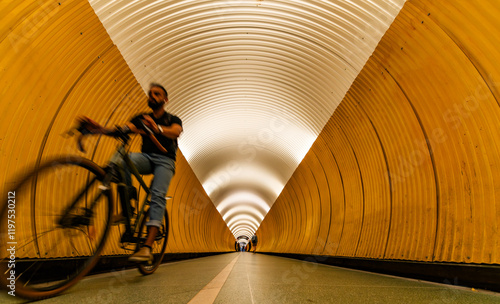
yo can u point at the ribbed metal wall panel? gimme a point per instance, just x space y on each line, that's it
415 141
58 62
254 81
406 168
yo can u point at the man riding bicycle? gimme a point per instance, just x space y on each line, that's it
157 157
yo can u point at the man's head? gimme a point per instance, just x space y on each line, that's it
158 96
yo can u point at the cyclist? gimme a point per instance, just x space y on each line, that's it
154 159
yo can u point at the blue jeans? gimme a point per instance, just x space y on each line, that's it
163 168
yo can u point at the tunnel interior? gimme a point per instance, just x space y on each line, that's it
359 133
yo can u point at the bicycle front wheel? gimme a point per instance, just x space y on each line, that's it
53 227
159 245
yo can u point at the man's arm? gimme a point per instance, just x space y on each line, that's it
173 131
96 128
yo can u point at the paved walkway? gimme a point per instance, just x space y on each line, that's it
256 278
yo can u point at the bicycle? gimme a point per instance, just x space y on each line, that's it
51 243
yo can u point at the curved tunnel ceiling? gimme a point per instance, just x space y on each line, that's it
253 81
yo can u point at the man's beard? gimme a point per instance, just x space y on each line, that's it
155 105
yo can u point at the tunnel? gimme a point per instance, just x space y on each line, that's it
363 135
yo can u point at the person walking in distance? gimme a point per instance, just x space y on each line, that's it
254 242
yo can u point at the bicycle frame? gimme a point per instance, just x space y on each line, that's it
130 230
117 166
73 223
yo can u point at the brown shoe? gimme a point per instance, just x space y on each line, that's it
143 255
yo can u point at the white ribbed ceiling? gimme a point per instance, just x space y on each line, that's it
253 81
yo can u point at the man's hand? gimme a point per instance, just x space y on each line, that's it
150 123
89 124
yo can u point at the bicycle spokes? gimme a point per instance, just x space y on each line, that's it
61 223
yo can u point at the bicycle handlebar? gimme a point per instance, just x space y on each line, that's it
84 129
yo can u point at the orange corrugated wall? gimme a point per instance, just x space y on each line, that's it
57 62
407 167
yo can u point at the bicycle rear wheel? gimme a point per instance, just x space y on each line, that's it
54 227
159 245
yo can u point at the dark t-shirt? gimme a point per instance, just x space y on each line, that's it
148 145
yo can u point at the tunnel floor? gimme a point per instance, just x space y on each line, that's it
256 278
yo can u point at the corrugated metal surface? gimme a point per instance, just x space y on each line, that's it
58 62
411 155
253 81
406 167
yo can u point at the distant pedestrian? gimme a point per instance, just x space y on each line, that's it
254 242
